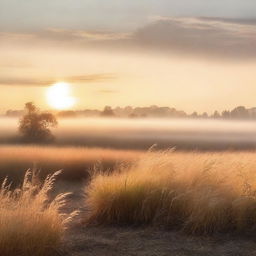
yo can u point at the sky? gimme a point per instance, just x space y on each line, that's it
196 55
112 14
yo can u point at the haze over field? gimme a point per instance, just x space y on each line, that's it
143 133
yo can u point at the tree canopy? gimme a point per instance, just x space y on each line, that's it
35 125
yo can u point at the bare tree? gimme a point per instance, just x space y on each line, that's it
35 125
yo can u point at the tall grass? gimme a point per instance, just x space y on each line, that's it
30 222
74 161
195 192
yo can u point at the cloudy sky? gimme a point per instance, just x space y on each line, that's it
193 55
112 14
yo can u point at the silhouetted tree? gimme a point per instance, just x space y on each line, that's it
194 115
225 114
132 115
204 115
216 114
35 126
239 113
108 111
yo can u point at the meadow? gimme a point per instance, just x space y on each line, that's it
99 191
136 175
76 163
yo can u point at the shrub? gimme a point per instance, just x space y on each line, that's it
31 223
195 192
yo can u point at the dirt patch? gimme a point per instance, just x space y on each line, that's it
110 241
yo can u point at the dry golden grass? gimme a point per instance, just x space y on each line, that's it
73 161
30 223
195 192
63 154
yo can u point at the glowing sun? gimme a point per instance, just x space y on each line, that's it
58 96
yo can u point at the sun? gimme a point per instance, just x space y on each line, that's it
58 96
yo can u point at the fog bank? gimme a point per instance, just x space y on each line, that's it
143 133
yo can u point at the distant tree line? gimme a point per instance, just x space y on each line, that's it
152 111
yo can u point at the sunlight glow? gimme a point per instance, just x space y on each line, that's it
58 96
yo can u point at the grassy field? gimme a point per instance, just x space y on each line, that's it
75 162
195 192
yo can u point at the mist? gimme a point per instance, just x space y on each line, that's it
143 133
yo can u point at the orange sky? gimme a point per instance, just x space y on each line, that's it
133 68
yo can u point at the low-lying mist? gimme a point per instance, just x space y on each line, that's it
143 133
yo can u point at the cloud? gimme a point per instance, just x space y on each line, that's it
64 35
85 35
17 36
105 91
200 36
90 78
214 37
11 64
44 82
10 81
207 36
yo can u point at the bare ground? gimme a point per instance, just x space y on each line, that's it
110 241
150 241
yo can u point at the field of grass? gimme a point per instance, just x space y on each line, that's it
75 162
31 223
194 192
